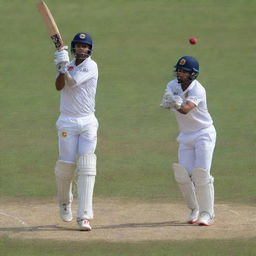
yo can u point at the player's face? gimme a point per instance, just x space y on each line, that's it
182 75
82 50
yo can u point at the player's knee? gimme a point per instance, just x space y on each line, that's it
201 177
87 164
180 174
64 170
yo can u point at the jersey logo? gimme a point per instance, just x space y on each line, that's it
64 134
70 68
83 69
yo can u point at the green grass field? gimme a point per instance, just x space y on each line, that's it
137 44
188 248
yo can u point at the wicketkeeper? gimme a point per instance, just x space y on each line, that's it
186 97
77 128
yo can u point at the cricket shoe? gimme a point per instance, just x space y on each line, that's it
193 217
66 212
84 225
205 219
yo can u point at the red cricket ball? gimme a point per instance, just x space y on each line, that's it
193 40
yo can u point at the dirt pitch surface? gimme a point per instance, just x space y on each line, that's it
123 221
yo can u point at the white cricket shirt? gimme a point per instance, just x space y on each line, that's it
78 95
198 118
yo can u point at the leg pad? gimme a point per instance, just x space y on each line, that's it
85 185
186 186
64 173
204 190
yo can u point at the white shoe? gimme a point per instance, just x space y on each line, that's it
84 225
193 217
66 212
205 219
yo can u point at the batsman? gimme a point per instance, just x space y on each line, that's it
77 128
187 98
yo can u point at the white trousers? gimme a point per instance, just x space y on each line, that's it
77 136
196 149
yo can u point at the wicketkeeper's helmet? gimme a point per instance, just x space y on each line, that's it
190 64
83 38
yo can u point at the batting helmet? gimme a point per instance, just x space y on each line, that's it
190 64
83 38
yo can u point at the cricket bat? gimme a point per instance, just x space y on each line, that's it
50 25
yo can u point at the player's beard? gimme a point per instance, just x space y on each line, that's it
81 56
182 81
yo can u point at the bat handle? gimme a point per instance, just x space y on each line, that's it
58 42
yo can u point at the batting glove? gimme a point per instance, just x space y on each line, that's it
62 67
61 56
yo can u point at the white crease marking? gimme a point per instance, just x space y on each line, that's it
13 217
236 213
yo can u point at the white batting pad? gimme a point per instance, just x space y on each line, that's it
204 190
87 164
85 185
186 186
64 173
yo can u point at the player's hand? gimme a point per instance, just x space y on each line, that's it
168 97
167 101
177 101
166 104
171 101
61 56
62 67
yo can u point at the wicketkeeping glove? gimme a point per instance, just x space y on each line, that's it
167 101
171 101
177 101
165 104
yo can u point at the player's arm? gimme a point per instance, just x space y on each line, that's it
186 107
60 82
61 59
181 106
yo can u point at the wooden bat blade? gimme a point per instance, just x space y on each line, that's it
50 25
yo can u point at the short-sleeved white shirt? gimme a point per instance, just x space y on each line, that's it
78 95
198 118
